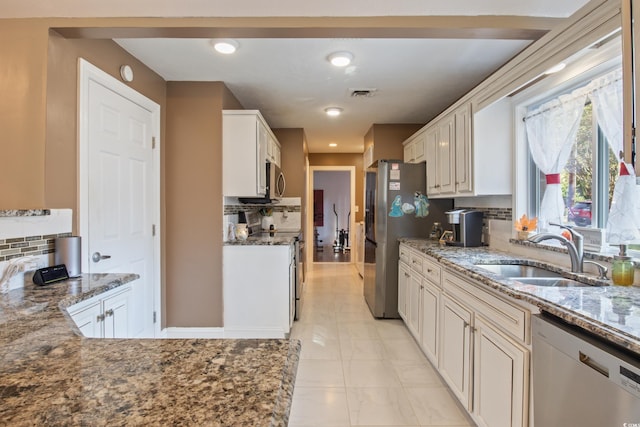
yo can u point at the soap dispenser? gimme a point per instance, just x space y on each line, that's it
622 272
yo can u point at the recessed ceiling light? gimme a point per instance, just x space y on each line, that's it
556 68
340 59
226 46
333 111
333 144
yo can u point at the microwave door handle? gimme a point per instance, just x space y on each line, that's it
284 184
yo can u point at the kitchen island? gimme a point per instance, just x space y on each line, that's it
50 375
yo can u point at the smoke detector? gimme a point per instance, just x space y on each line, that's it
362 92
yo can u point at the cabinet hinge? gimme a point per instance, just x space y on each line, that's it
153 142
153 229
154 317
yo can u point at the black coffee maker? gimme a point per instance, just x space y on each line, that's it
467 227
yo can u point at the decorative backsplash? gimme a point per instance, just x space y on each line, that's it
31 245
504 214
235 209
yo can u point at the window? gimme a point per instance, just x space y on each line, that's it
587 180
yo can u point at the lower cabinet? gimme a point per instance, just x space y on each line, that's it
258 290
456 350
104 316
476 339
404 277
430 323
414 306
500 378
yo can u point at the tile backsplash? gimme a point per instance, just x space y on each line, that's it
28 237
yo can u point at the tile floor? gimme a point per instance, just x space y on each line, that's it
355 370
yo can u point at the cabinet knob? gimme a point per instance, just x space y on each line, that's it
109 312
100 317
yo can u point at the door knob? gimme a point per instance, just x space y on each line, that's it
96 257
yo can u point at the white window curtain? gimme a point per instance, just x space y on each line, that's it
606 96
624 218
551 131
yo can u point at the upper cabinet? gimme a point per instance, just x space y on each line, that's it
468 154
247 145
414 148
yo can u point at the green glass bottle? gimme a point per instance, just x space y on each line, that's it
622 271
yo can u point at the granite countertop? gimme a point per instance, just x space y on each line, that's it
52 376
611 312
265 238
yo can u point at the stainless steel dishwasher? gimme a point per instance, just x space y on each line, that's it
579 380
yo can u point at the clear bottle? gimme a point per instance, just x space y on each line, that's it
623 270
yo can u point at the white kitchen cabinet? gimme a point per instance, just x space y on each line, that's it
105 315
258 294
430 322
273 151
500 378
414 305
469 154
440 157
247 145
414 148
367 157
404 277
463 158
455 349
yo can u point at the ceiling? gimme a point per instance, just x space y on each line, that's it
291 82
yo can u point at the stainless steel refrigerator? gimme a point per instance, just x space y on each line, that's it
395 206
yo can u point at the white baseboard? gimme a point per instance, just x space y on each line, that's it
254 333
219 333
193 333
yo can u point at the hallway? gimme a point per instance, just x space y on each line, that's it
358 371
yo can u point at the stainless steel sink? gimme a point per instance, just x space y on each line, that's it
518 270
531 275
551 282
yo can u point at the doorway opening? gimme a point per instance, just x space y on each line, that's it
332 208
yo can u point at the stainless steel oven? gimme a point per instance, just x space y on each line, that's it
299 261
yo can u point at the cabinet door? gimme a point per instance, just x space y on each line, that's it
262 142
463 163
418 148
430 315
403 284
413 305
455 349
116 315
446 155
409 152
500 379
431 154
89 320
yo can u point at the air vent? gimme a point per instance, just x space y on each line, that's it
362 92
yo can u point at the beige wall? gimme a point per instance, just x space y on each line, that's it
387 139
194 202
23 72
61 145
344 159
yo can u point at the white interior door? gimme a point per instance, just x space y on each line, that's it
121 201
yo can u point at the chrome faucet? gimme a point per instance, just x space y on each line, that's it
575 247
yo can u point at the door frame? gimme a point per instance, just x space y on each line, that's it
352 197
88 72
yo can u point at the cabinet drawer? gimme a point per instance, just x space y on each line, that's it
416 261
505 316
405 254
431 271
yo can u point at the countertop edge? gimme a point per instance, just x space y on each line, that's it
282 407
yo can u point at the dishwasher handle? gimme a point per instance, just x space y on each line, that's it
593 364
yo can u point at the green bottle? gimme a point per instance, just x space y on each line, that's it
623 271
